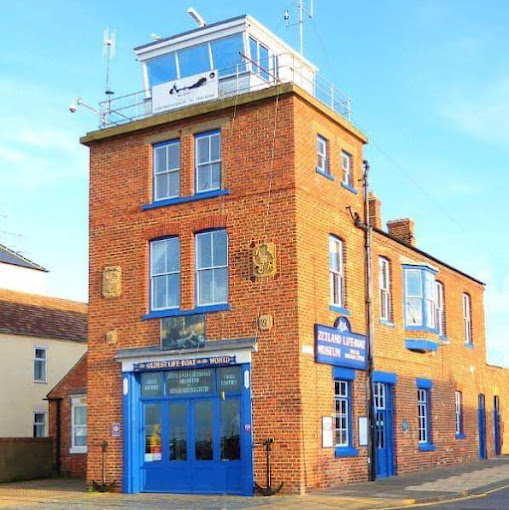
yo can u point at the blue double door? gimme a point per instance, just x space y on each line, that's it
384 430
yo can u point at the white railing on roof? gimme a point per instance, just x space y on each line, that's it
241 79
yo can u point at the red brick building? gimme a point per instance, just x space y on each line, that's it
228 289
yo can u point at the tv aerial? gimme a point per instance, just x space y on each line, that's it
304 15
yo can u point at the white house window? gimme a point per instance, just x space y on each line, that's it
439 307
79 424
212 267
458 412
39 424
167 170
208 161
346 168
342 413
423 406
467 321
40 364
261 58
385 288
322 163
165 273
420 298
336 272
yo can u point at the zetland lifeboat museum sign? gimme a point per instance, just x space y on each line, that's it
339 346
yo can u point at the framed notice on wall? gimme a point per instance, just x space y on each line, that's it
363 431
186 332
327 432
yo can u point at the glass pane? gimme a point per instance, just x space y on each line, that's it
264 62
215 182
159 292
229 379
173 156
226 54
230 429
215 147
413 282
203 430
203 182
172 254
158 257
173 289
152 432
414 311
152 384
38 370
178 431
40 353
161 186
204 250
80 436
160 159
184 382
194 60
253 48
202 149
80 415
205 295
174 184
220 285
219 255
162 69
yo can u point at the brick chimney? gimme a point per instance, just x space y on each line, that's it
402 229
375 211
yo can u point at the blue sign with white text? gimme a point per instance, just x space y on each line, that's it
340 347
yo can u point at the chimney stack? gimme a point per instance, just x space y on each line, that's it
403 230
375 211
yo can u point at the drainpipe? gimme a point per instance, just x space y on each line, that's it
368 230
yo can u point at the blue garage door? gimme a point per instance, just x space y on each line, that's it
191 431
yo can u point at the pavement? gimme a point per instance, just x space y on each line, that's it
422 488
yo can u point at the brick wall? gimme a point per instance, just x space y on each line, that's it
74 383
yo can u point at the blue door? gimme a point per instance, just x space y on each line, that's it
192 442
496 426
384 432
482 426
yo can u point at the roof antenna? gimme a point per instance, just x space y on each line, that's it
194 14
109 43
302 11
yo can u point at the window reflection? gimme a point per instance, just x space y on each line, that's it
230 429
194 60
178 431
203 430
152 432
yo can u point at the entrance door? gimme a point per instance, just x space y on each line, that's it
496 425
384 461
482 426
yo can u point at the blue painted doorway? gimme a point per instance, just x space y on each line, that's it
496 426
384 430
482 426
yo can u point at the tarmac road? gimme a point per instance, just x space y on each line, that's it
496 500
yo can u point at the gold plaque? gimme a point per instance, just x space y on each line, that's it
265 322
264 260
112 281
111 337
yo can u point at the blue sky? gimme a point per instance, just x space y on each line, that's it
429 81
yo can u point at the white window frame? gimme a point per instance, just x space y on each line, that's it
44 362
321 154
384 279
167 171
423 407
420 296
210 268
439 308
208 135
342 397
346 168
467 318
154 275
77 402
458 411
37 423
336 276
258 67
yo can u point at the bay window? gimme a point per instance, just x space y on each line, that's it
420 298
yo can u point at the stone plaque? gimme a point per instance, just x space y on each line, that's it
264 260
111 337
265 322
112 281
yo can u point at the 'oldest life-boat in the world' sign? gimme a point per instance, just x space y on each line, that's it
339 346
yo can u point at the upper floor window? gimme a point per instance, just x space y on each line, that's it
40 364
79 425
260 57
467 318
165 273
166 170
208 161
346 168
420 308
336 271
439 304
385 288
212 268
342 407
39 424
322 163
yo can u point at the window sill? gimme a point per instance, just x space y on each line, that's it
469 345
409 327
339 309
444 339
78 449
461 436
182 200
345 451
325 174
421 345
387 323
41 382
350 188
176 312
426 447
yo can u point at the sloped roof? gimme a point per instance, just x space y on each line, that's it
42 316
8 256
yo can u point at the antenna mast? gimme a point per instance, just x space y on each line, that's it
302 12
109 43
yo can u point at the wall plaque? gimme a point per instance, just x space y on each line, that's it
264 260
186 332
112 281
111 337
